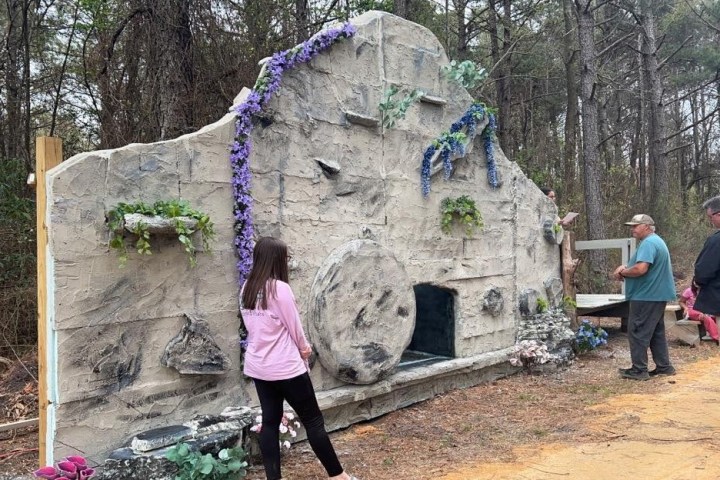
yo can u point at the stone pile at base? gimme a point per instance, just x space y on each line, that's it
144 456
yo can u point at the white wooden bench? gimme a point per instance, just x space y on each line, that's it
686 331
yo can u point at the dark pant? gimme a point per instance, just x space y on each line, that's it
300 394
646 328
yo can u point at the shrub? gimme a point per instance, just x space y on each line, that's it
230 463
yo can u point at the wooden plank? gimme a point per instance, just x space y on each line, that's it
569 265
626 246
603 244
30 422
48 154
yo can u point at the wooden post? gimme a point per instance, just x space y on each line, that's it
48 154
569 265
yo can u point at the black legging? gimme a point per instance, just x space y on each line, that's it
300 394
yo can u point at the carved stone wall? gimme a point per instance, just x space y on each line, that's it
320 182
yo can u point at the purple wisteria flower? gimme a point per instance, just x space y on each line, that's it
491 166
265 87
448 144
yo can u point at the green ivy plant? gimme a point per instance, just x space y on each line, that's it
542 305
462 210
173 209
392 109
447 140
568 302
465 73
230 463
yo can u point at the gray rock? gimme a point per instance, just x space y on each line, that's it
194 351
329 167
361 119
362 312
528 301
432 99
554 291
549 233
138 468
159 437
493 301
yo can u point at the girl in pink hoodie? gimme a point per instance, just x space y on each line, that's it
276 358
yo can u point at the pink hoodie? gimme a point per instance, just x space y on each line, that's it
275 336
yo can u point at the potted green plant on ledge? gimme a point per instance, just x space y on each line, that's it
174 217
462 210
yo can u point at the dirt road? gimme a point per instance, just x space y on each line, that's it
670 436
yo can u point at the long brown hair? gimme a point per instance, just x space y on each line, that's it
270 258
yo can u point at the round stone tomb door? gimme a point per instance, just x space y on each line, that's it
362 312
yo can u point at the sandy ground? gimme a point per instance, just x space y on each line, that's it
671 435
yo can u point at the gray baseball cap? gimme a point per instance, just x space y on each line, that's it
641 219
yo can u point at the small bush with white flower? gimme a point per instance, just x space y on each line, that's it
289 425
589 337
529 354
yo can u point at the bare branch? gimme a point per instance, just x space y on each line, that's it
609 137
662 64
715 110
667 152
614 44
701 18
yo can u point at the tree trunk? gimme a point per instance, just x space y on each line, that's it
401 8
171 21
502 59
301 21
660 175
571 110
640 130
591 157
12 58
461 46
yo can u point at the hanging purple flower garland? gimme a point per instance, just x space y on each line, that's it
451 142
266 85
489 155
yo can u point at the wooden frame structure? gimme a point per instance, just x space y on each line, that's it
48 154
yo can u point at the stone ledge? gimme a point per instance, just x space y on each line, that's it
346 395
432 99
361 119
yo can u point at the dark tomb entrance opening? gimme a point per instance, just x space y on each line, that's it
434 337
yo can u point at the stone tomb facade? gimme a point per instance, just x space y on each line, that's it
155 343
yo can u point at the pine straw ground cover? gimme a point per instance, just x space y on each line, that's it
423 441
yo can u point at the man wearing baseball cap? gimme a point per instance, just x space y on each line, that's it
648 287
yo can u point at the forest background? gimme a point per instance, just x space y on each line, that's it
614 104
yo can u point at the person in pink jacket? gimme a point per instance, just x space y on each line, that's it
276 354
687 302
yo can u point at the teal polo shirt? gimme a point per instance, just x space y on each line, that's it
657 284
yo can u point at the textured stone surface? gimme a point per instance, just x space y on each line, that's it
138 468
194 351
362 313
554 291
551 328
159 437
493 301
110 326
529 301
158 225
549 233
